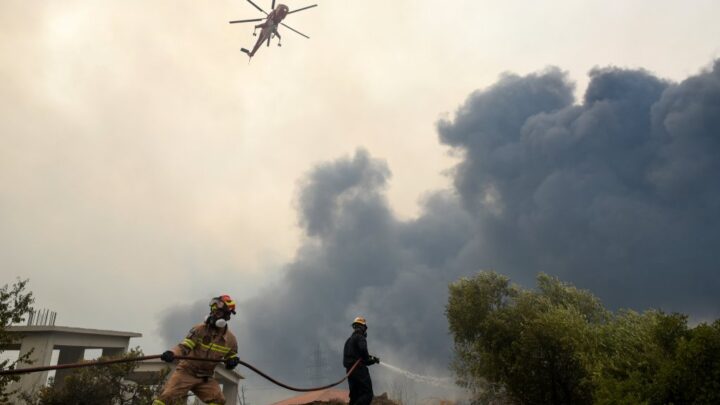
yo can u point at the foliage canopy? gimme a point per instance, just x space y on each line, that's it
100 385
558 344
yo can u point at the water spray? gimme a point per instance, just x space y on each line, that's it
445 382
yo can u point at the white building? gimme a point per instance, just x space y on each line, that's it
71 344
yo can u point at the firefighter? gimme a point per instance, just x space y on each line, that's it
211 339
361 391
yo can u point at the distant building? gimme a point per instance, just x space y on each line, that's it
72 343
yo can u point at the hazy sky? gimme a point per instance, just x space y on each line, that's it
145 165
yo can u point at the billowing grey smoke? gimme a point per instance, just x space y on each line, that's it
176 323
358 260
619 194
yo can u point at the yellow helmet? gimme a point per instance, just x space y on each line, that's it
360 320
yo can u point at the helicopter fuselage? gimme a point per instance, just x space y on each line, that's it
268 28
270 24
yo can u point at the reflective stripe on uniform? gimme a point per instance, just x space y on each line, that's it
216 348
189 343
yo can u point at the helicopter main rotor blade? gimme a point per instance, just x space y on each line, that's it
257 7
294 30
245 21
301 9
273 5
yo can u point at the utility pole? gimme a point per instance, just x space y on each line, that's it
317 370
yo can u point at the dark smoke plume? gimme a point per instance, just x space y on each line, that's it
619 194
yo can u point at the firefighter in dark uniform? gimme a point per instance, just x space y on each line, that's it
361 391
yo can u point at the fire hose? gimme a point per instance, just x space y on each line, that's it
157 356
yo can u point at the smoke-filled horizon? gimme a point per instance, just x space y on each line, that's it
616 193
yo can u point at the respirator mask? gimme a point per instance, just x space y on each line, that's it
212 320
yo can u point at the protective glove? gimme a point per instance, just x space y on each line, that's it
231 363
373 360
168 356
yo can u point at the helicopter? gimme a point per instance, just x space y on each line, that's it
268 29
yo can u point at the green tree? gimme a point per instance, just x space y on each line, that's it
629 358
100 385
15 304
475 320
692 376
655 358
558 345
524 346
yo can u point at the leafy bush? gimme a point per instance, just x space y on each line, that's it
558 344
15 304
100 385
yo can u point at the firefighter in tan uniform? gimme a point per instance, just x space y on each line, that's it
211 339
